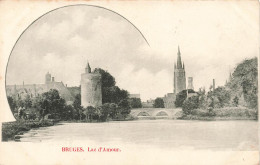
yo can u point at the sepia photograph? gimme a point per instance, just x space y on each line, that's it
103 78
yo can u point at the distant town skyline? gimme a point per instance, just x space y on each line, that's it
212 42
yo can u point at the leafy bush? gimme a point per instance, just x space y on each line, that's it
124 108
10 129
158 103
110 92
229 113
245 81
220 97
190 104
181 96
135 102
236 112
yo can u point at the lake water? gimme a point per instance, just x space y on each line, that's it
214 135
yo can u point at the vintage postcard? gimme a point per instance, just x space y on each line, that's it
129 82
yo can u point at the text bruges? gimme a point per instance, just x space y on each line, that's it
90 149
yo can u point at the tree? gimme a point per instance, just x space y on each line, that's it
190 104
107 81
12 104
78 109
110 92
108 110
124 108
158 103
113 110
103 112
91 113
181 96
20 102
135 102
220 97
235 101
51 103
245 81
202 98
106 78
67 113
27 102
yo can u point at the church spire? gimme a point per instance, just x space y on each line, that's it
179 66
88 69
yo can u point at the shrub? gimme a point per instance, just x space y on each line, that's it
158 103
135 102
244 81
10 129
236 112
190 104
181 96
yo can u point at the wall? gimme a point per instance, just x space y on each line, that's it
91 94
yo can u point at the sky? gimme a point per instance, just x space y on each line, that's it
213 39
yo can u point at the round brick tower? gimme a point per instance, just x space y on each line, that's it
91 94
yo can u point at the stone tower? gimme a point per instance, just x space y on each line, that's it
179 82
47 78
91 94
190 83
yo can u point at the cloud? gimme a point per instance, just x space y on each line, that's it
211 42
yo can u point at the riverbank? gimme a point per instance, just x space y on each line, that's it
12 130
228 113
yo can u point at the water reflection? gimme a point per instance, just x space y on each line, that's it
218 135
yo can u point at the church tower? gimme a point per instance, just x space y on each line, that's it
179 82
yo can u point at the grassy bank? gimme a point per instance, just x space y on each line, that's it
12 130
128 118
228 113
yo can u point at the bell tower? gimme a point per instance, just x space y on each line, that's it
179 82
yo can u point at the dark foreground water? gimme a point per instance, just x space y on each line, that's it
216 135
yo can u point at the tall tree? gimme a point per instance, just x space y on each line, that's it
158 103
135 102
220 97
78 109
51 103
181 96
245 81
28 101
124 107
110 92
12 104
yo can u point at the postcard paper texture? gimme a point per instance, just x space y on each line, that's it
129 82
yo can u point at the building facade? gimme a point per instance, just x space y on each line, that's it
33 90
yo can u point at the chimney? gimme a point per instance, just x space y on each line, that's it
66 85
190 83
52 79
213 84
